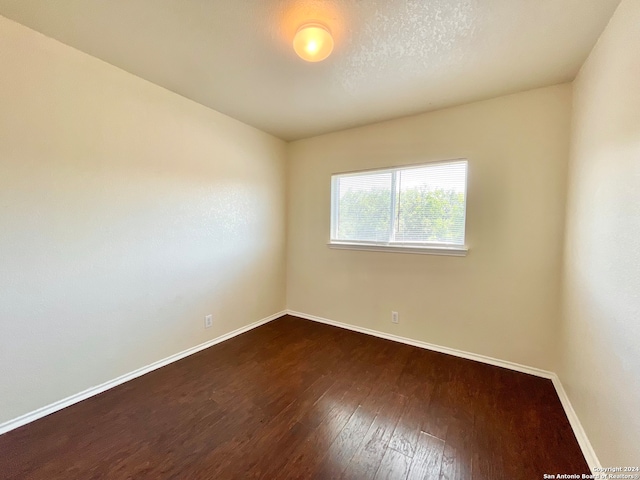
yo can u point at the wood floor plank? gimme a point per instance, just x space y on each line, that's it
407 431
323 420
295 399
367 458
285 430
308 455
394 466
427 461
451 469
345 446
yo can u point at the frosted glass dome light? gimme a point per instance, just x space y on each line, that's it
313 42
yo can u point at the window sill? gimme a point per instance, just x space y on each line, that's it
430 250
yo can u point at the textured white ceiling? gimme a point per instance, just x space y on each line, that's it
391 58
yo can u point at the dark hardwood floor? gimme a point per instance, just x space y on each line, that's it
296 399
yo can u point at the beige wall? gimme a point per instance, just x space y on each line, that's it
600 366
127 213
502 300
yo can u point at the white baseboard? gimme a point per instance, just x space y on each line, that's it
587 449
90 392
581 436
429 346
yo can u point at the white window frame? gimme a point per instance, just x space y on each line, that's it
430 248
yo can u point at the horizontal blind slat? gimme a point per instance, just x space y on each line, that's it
431 205
364 211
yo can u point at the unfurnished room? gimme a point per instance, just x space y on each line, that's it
320 239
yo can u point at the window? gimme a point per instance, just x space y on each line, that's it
418 208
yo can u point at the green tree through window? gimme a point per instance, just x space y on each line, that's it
422 216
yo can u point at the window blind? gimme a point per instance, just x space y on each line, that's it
417 205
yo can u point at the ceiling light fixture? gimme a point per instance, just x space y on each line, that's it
313 42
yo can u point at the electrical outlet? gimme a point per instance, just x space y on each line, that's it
394 317
208 321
